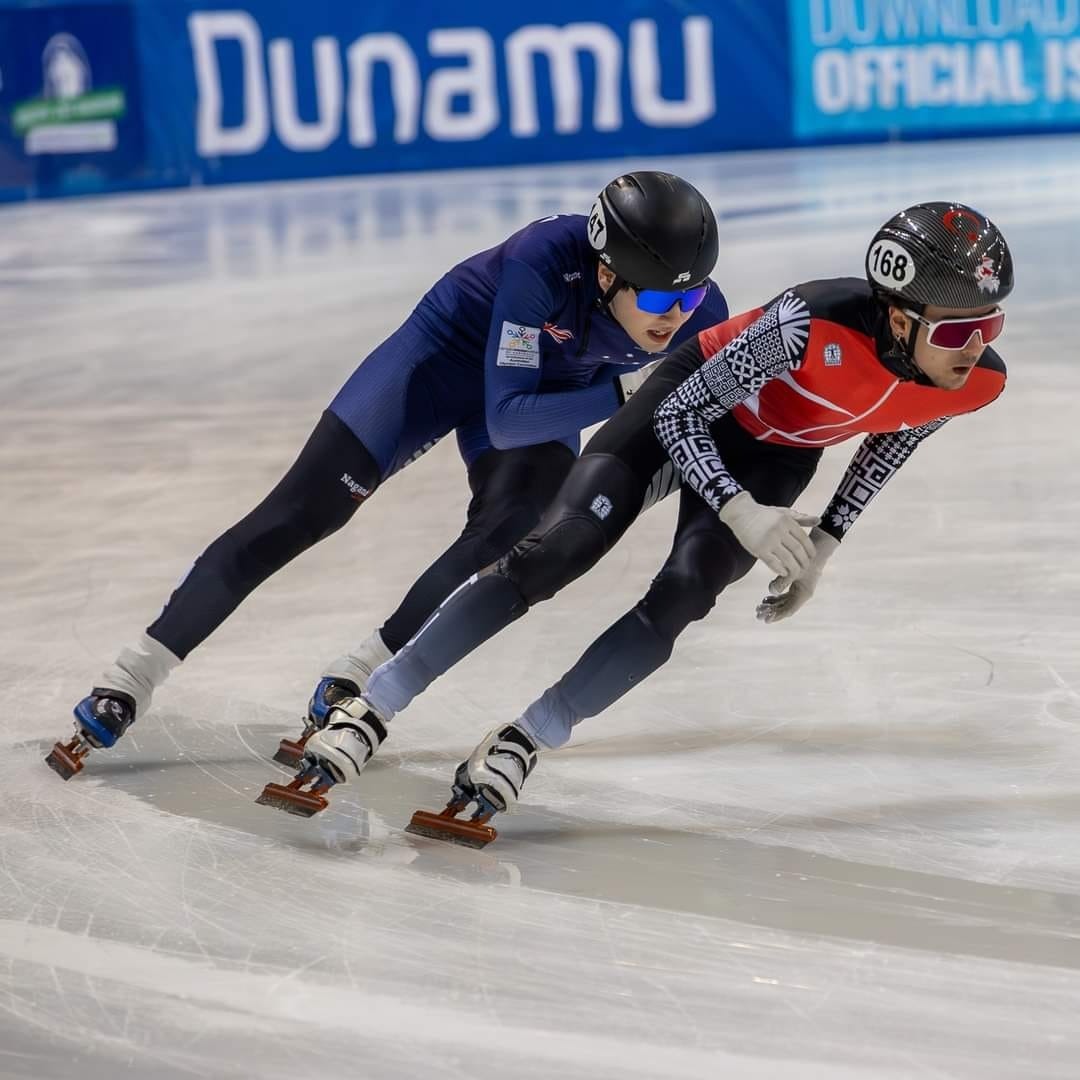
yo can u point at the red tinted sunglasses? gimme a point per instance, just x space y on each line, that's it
954 334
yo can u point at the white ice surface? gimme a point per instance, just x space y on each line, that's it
846 846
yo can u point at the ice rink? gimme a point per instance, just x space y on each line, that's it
846 846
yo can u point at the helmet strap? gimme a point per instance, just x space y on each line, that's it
900 358
612 290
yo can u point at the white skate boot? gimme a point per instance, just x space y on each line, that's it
335 754
345 678
490 779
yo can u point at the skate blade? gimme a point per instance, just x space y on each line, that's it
63 762
301 803
290 752
444 827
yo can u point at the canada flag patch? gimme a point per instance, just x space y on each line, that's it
986 276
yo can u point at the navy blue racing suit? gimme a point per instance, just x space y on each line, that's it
512 351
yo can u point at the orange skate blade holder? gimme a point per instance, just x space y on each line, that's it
290 752
292 800
447 826
66 759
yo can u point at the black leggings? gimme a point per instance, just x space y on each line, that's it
332 476
510 489
705 558
601 498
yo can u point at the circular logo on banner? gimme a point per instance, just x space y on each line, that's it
597 226
890 264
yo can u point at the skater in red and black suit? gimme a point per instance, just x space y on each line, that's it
737 418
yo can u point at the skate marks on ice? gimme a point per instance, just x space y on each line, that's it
320 1009
145 939
212 774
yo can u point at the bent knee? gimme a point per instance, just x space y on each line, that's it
686 589
541 565
674 601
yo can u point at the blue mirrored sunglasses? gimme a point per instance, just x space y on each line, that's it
661 301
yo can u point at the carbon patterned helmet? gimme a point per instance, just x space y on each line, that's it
940 253
655 231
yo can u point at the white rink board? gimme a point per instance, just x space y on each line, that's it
842 847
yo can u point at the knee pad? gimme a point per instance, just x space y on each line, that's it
604 488
511 490
541 565
686 588
601 496
674 601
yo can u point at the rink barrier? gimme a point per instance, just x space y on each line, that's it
127 94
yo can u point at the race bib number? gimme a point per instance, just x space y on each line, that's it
519 346
891 265
597 226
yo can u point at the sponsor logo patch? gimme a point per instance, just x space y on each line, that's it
963 223
358 491
519 346
71 115
601 506
834 355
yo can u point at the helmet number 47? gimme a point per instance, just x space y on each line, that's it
597 226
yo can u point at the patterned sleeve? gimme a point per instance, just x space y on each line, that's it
774 343
873 466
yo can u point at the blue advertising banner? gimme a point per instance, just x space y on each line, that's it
881 67
205 92
113 94
290 90
70 107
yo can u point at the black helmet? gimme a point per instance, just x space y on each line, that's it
940 253
655 231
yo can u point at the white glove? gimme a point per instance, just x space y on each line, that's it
626 386
786 593
772 534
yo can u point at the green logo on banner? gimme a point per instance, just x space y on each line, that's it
107 103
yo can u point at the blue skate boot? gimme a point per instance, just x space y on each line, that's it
100 720
490 780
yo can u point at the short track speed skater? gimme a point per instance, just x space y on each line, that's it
100 719
333 754
489 781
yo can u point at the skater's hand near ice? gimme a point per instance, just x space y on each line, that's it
788 593
774 534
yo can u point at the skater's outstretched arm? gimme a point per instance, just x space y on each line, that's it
874 464
771 345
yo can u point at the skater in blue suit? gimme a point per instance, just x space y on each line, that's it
515 350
